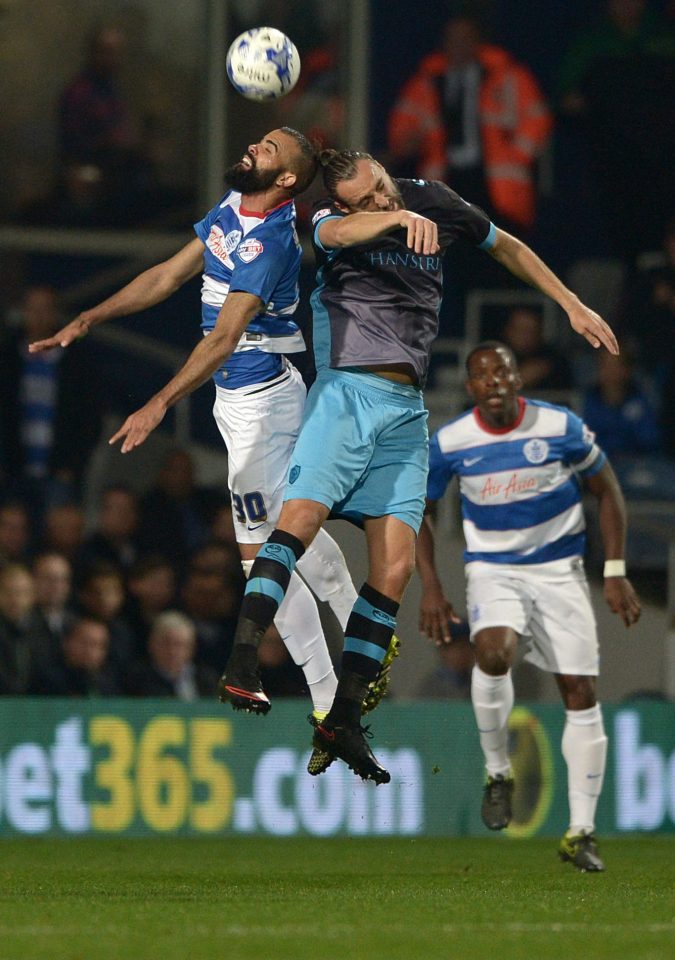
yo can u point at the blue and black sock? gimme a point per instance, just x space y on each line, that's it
266 586
369 631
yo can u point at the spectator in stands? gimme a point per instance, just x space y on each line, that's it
451 677
115 538
101 596
19 648
151 590
81 668
617 82
98 132
541 365
474 117
648 312
15 532
52 576
174 512
212 602
170 669
63 530
222 525
46 439
618 410
218 557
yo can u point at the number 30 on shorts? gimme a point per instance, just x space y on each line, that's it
251 507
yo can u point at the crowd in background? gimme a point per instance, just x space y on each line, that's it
142 600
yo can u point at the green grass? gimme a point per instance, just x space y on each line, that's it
176 899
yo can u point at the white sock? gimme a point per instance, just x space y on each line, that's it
492 699
299 626
324 568
584 747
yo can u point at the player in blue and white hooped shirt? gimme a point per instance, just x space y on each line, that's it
248 253
521 465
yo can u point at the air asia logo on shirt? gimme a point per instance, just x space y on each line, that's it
320 213
249 250
221 246
536 451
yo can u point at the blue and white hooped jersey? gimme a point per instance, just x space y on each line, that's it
258 254
519 487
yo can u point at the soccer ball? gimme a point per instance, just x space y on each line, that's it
263 64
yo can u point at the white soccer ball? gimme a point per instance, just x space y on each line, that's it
263 64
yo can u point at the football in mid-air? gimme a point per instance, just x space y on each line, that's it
263 64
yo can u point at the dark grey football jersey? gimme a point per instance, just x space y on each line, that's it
378 302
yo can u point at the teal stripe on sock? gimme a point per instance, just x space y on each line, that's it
268 588
367 610
365 648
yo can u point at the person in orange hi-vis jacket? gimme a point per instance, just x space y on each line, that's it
473 116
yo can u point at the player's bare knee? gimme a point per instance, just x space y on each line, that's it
578 692
494 652
493 662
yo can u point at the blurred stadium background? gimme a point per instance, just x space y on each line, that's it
58 228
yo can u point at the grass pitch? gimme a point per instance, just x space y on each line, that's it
308 899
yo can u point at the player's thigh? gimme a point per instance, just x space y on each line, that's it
395 481
259 432
334 445
495 598
563 628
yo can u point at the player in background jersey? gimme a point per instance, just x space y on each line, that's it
362 451
520 465
248 251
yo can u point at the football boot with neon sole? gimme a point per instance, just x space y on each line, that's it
582 851
377 690
495 809
320 760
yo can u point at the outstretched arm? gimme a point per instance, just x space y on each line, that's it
147 289
524 263
235 315
619 593
435 611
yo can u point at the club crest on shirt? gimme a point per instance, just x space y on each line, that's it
221 246
249 249
536 451
588 436
294 474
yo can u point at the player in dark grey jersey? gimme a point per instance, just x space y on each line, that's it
362 448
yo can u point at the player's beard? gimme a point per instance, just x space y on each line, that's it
249 180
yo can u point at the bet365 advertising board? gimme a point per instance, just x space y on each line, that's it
151 767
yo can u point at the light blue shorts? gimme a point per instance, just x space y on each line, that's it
363 448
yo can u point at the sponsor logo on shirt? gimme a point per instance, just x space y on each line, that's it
516 485
221 246
249 250
412 261
536 451
324 212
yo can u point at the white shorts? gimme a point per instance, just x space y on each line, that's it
259 424
548 606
